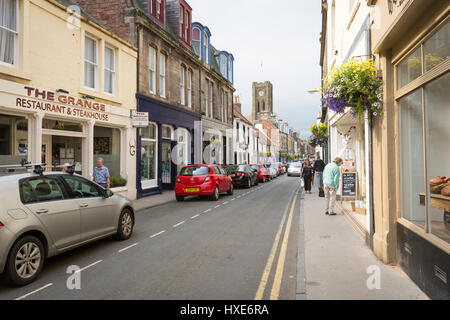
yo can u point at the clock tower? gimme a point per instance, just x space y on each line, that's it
262 100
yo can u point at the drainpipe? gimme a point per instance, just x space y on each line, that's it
138 140
369 179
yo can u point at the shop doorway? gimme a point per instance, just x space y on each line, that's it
168 167
60 150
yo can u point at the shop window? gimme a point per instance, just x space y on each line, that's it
13 139
410 69
437 48
148 156
412 160
61 125
167 132
8 31
437 109
107 146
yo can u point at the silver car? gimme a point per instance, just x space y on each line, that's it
43 215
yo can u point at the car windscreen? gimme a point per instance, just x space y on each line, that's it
237 168
194 171
255 167
295 165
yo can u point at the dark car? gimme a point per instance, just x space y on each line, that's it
243 175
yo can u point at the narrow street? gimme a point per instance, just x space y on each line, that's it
197 249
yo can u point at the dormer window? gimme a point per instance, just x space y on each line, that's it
158 8
205 48
197 41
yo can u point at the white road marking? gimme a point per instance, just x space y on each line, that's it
179 224
129 247
209 210
217 206
239 197
233 199
196 216
157 234
35 291
225 203
89 266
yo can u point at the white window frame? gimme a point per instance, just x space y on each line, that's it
113 84
181 21
186 27
152 56
211 99
222 101
162 75
16 39
95 64
182 85
189 88
154 182
206 46
158 8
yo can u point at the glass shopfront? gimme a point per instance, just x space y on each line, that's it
424 133
107 146
149 156
13 139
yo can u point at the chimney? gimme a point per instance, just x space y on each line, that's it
237 104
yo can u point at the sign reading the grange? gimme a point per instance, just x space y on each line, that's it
62 104
349 184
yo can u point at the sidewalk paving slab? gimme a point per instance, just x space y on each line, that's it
337 261
154 201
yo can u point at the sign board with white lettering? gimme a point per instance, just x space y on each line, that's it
139 119
349 184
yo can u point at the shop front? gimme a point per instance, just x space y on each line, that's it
217 142
412 141
55 129
165 146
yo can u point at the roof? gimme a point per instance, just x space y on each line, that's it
239 115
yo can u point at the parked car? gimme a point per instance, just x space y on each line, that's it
244 176
272 171
263 173
45 214
295 169
203 180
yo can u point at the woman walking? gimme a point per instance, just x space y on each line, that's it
307 175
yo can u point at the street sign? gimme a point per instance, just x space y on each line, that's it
139 119
349 184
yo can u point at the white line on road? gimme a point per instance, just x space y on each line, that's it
35 291
209 210
129 247
239 197
157 234
225 203
89 266
217 206
179 224
194 217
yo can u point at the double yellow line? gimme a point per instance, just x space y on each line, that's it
275 292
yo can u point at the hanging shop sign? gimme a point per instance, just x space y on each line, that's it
139 119
48 101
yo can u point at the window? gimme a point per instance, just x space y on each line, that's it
107 146
207 98
158 8
8 32
148 155
206 48
194 171
223 65
181 22
162 75
189 88
13 140
182 86
167 132
42 189
196 41
437 48
211 106
152 70
82 188
410 68
186 27
222 105
90 63
110 70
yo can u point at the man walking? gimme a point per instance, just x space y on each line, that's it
101 174
319 166
331 176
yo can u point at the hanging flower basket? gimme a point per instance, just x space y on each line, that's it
319 135
355 85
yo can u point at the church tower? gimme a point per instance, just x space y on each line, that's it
262 100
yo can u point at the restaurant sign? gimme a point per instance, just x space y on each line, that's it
48 101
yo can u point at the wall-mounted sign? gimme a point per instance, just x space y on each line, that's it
139 119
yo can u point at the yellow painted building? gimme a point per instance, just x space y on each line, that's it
67 86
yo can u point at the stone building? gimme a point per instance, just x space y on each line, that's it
262 94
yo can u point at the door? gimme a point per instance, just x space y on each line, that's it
167 166
47 198
99 215
46 155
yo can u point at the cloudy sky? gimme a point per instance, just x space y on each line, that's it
275 40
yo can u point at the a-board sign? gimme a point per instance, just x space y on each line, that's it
349 184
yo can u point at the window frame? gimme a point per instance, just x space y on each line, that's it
162 75
153 182
189 88
16 39
65 192
114 73
152 69
183 85
96 66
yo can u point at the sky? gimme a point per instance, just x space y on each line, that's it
271 40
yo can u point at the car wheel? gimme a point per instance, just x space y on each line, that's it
231 191
249 183
25 262
257 181
126 224
180 198
215 196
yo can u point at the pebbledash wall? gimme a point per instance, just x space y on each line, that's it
66 91
411 43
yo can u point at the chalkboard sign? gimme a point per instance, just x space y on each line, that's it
349 184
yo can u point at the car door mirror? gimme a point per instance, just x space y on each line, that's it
108 194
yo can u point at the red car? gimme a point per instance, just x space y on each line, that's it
263 173
203 180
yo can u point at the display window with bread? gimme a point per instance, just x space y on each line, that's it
424 133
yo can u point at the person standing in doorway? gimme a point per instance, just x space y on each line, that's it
319 166
307 175
331 176
101 174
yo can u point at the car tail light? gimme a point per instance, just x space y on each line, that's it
1 224
241 174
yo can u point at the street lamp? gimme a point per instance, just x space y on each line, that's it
313 91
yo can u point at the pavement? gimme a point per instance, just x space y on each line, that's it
154 201
339 265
